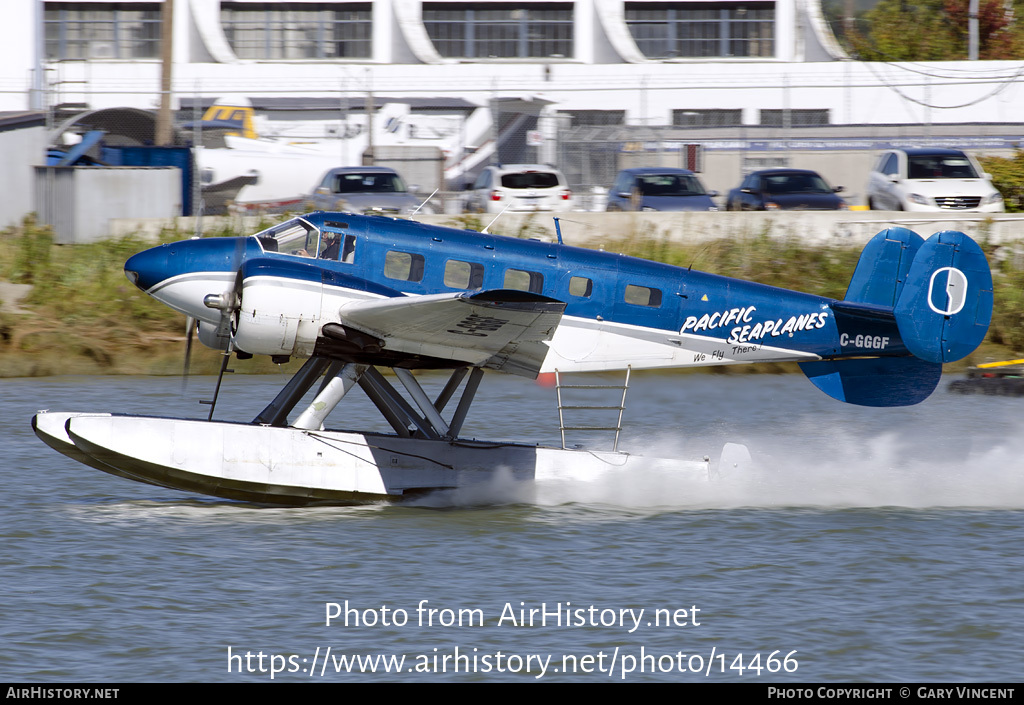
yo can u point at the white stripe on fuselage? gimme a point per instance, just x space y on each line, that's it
587 345
579 344
185 293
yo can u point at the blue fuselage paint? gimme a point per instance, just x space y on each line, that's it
604 287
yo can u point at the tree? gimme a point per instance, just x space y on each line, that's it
936 30
1008 178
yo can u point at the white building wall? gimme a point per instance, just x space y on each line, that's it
854 92
22 148
17 54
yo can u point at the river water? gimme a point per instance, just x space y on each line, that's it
864 545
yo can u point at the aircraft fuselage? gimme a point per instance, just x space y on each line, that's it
619 310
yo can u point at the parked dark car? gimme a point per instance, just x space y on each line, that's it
365 189
785 189
659 189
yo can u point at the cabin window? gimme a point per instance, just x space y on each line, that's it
463 275
348 249
404 266
338 247
524 281
642 296
581 286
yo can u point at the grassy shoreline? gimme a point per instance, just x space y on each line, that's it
86 318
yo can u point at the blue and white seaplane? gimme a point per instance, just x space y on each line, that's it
355 293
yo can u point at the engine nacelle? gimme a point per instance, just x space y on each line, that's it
277 320
208 336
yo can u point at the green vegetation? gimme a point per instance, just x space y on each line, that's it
926 30
1008 178
86 318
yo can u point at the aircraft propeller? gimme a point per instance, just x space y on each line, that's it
228 303
190 329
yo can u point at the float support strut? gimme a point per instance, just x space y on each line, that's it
276 413
335 387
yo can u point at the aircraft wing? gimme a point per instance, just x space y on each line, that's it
501 329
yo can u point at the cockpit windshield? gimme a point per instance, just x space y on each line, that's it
294 237
301 238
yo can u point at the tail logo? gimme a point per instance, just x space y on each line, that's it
949 297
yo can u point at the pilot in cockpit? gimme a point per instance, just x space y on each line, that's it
331 245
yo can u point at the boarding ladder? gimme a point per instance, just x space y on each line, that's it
563 407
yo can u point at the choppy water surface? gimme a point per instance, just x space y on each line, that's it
879 545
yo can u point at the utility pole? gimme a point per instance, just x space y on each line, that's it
972 30
163 117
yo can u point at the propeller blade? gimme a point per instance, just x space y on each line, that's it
190 329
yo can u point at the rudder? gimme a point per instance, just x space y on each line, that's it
945 307
883 266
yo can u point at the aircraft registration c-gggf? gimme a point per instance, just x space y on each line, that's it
355 293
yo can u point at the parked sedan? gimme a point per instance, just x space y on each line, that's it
365 189
519 187
659 189
785 189
931 180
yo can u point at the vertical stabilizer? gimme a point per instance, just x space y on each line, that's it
883 266
945 307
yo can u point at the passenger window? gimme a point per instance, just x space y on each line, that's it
463 275
524 281
642 296
581 286
403 265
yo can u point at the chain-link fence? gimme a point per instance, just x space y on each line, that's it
588 146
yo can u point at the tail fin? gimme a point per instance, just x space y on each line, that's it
938 291
946 305
883 266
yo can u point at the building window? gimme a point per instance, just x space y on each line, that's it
500 30
707 118
114 30
598 118
694 30
795 118
298 30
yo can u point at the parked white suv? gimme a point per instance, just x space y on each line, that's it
520 187
931 180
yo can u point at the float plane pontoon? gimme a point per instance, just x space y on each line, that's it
355 294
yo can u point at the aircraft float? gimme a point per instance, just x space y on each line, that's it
354 294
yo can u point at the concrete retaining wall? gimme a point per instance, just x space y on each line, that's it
852 228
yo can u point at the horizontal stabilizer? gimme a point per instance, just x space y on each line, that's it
883 381
945 307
